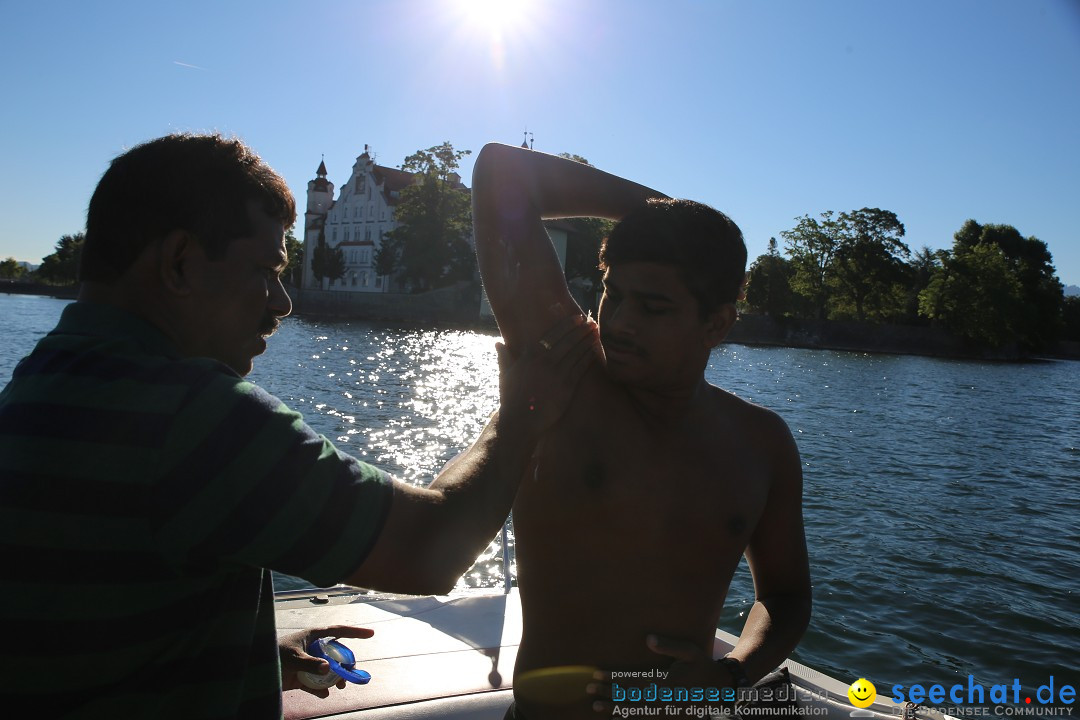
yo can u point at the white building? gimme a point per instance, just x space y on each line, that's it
356 222
360 218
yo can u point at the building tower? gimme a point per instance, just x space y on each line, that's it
320 196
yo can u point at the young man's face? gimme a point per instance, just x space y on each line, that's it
240 298
651 328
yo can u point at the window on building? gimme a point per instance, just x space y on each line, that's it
378 281
363 279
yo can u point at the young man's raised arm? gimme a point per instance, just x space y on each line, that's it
514 189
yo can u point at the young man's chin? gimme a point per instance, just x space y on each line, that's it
622 370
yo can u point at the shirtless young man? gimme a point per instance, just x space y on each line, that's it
655 483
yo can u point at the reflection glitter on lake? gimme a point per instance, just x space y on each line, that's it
404 400
941 497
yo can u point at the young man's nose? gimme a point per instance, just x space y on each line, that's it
619 320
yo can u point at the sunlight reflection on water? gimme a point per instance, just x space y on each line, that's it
941 497
405 400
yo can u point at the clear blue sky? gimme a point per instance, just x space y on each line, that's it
768 110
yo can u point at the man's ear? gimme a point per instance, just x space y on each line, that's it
176 253
719 324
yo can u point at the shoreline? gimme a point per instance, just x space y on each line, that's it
18 287
750 329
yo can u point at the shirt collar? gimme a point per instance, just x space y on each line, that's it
109 321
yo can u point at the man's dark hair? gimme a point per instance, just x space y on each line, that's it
198 183
704 244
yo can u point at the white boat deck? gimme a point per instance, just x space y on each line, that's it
453 657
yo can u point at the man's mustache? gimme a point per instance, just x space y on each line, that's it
269 327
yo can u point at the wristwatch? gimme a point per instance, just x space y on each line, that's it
735 668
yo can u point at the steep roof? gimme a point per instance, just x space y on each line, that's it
393 181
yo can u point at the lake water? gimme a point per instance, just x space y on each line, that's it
942 497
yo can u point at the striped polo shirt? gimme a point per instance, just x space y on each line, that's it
142 498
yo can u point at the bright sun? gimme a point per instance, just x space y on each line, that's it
498 17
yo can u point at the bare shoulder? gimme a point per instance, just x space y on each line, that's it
764 435
764 423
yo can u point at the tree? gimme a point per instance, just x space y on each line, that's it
868 266
811 246
920 271
1070 316
430 247
11 269
583 246
388 256
769 288
977 296
62 266
295 250
327 262
1032 265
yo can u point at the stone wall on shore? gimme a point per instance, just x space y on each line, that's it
455 305
868 337
20 287
459 306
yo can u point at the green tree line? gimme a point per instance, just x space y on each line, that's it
61 266
994 288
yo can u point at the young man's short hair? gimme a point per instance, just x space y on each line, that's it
704 244
198 183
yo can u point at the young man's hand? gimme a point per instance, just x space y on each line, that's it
692 667
537 382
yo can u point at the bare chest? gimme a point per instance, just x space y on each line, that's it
646 484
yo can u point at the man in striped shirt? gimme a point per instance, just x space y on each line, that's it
146 488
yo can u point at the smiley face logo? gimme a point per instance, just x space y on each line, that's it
862 693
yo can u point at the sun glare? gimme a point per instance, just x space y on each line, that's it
497 17
497 36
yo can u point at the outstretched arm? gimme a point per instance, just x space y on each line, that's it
432 535
514 189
